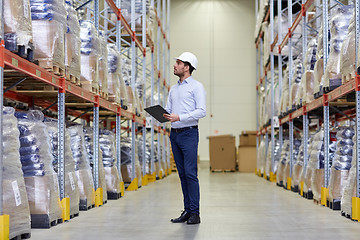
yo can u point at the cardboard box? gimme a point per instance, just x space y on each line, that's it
248 138
222 152
247 159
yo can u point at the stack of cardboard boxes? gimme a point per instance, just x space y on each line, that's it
247 151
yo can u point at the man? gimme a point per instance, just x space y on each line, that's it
186 105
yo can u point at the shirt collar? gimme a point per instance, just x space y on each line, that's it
187 80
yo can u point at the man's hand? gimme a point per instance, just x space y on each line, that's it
172 117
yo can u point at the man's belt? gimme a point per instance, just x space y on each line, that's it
179 130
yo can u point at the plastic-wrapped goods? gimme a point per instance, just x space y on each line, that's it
49 19
280 172
147 154
296 150
37 164
157 160
277 155
17 24
103 66
307 81
350 184
319 65
72 42
276 98
109 159
126 73
284 101
14 196
126 11
347 54
261 155
298 168
317 162
266 57
263 6
90 51
82 167
339 25
71 185
296 81
341 164
116 85
139 90
126 166
89 145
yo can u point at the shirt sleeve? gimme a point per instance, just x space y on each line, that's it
168 106
200 105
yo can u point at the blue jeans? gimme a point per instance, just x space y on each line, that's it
185 149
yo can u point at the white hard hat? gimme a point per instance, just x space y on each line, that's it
188 57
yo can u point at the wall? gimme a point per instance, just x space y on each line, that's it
220 33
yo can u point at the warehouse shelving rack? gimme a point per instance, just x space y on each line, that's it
65 94
321 107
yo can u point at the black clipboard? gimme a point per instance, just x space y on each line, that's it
157 112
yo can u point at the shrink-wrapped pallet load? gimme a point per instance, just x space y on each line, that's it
15 199
18 28
132 96
341 165
350 185
71 185
319 65
72 44
37 164
147 155
49 19
298 167
82 168
109 160
296 149
126 162
89 145
266 43
103 67
295 81
277 155
314 178
285 96
280 172
347 53
157 160
90 52
116 85
306 94
261 154
339 25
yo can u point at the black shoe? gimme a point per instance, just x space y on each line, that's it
194 219
183 217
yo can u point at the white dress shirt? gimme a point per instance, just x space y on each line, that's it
188 100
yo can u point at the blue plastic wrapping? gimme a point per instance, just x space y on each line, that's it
40 178
49 18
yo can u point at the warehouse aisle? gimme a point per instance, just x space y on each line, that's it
233 206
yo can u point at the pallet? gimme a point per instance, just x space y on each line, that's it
347 77
104 95
308 195
73 79
295 189
95 90
317 202
345 215
223 170
43 221
74 215
83 205
22 236
113 195
59 71
279 184
334 205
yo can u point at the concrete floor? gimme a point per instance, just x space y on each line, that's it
233 206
